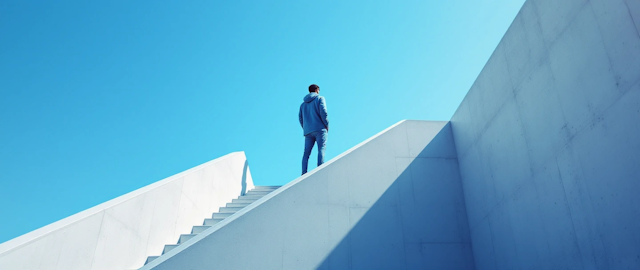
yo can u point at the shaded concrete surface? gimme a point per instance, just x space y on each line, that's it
419 222
393 202
547 140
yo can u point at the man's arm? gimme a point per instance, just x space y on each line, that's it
300 116
324 115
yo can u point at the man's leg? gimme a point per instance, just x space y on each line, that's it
309 140
321 138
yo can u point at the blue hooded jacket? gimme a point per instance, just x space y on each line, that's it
313 113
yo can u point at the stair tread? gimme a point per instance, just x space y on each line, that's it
212 221
168 248
185 237
243 200
250 197
234 209
238 205
199 228
150 259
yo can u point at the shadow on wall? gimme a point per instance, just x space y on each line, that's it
420 221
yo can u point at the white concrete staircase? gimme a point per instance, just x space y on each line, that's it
234 206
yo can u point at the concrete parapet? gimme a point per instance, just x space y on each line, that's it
121 233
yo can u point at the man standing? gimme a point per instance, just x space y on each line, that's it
315 124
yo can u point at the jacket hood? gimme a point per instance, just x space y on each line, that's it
310 97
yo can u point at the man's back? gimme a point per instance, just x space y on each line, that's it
313 113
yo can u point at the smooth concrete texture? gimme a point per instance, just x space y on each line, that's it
548 140
121 233
394 201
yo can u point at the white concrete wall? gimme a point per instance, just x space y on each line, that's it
393 202
548 140
121 233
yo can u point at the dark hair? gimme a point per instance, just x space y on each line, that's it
313 88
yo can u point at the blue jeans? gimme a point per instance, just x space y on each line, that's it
317 136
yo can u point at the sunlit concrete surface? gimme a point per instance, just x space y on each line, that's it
548 140
393 202
121 233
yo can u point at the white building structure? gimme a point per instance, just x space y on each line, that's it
537 169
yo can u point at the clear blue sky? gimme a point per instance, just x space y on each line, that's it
99 98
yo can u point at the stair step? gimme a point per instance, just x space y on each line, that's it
150 259
211 221
221 215
185 238
242 200
266 187
168 248
241 205
259 192
251 197
229 209
262 190
199 229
